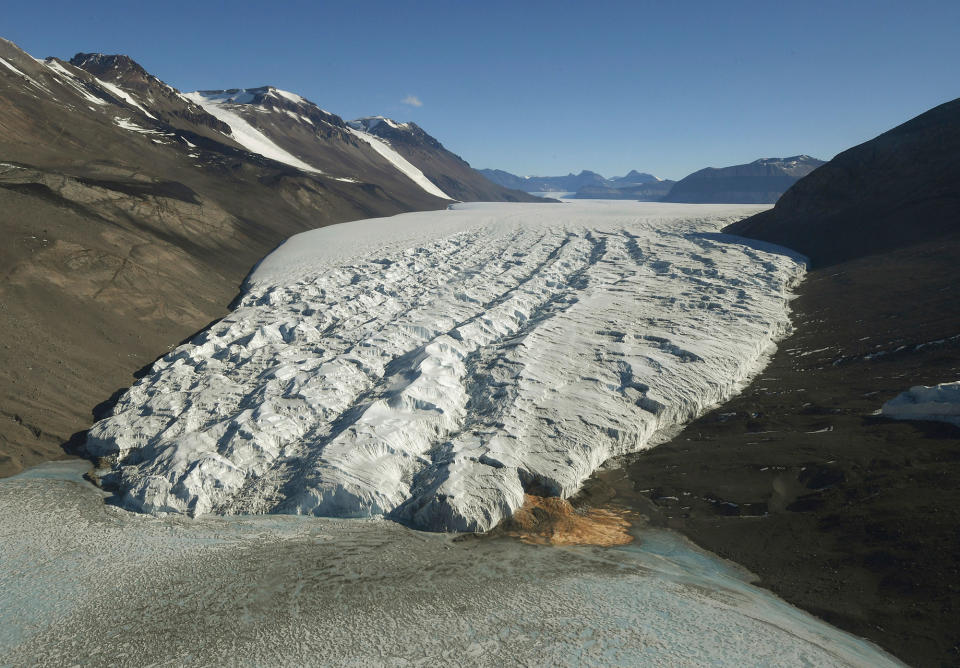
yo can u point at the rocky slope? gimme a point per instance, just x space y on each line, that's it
759 182
449 171
132 214
894 190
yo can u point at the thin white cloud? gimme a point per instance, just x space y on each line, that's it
412 100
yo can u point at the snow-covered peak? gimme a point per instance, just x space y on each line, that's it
287 95
266 96
370 123
272 100
231 96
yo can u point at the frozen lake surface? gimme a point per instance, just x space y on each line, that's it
83 582
431 367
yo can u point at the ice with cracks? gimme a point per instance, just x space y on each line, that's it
433 367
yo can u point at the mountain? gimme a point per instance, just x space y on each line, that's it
531 184
587 184
634 178
132 212
897 189
759 182
448 170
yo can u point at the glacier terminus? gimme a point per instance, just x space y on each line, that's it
434 367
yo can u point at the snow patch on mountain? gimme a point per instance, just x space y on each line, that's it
385 150
13 68
245 134
71 80
125 96
431 367
127 124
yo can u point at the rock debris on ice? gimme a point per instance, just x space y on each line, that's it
430 367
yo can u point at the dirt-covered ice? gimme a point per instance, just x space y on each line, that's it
431 367
87 583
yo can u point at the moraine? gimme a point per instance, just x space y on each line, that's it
431 367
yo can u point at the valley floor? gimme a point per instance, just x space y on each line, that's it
83 582
848 515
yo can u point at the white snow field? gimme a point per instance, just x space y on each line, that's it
431 367
939 403
86 583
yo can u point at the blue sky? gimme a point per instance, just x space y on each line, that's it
552 87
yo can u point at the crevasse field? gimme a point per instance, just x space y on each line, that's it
431 367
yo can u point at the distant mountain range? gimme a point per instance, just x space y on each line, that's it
759 182
586 184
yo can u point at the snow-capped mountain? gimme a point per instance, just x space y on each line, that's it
759 182
133 211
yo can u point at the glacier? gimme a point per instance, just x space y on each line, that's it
433 367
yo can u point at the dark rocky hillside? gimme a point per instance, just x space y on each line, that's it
899 188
